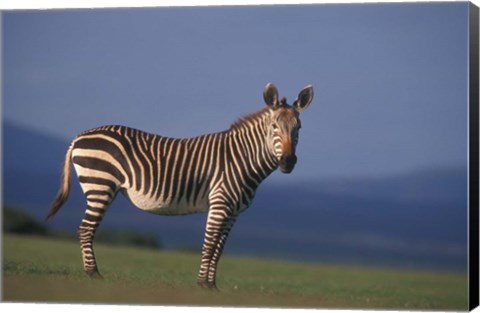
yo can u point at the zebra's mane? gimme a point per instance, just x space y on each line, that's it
252 117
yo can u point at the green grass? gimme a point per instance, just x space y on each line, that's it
38 269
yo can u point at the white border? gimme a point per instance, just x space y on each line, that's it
63 4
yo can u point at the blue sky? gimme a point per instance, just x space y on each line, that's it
390 80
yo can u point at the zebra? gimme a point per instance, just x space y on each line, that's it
216 173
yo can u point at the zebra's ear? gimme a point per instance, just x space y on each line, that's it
270 95
304 98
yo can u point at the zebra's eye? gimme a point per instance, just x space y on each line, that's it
275 126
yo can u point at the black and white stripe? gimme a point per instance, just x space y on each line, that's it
215 173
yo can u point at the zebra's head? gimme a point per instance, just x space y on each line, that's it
284 124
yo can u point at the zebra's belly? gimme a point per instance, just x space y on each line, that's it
165 206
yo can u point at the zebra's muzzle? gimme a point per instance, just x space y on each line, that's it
287 163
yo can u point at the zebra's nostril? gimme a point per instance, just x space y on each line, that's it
289 159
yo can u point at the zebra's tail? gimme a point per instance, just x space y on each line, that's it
64 190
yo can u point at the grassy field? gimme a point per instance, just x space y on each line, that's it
37 269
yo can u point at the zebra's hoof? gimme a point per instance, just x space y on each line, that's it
208 285
94 274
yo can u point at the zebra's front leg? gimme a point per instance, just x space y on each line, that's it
219 224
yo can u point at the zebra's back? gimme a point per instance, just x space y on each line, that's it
158 174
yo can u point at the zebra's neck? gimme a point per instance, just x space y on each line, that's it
249 137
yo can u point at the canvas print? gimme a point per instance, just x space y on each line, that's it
284 156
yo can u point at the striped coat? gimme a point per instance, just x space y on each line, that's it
215 173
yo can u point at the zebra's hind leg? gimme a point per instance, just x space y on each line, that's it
96 207
86 233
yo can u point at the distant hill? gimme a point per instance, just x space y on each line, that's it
26 150
416 220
